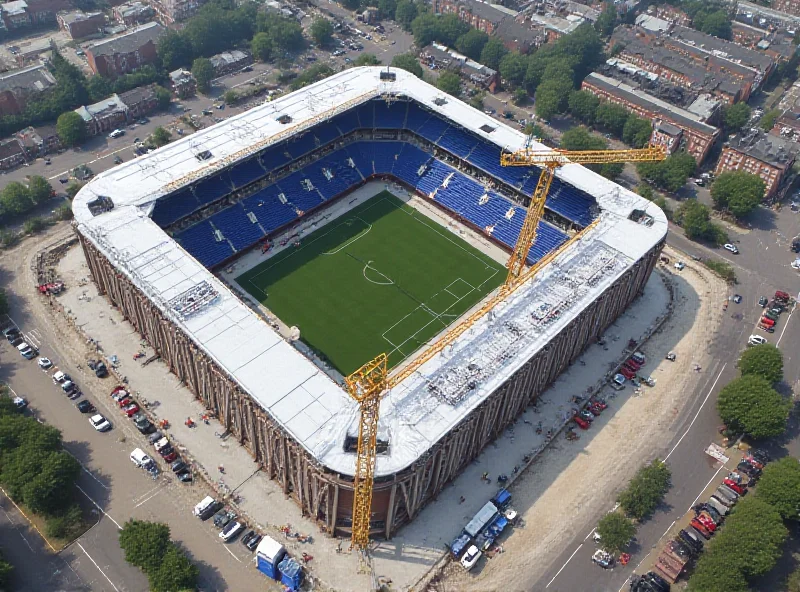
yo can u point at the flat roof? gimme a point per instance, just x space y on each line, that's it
308 404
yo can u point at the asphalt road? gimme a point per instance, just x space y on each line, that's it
114 486
761 267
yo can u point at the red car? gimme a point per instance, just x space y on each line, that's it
707 521
125 402
698 526
631 367
627 373
595 410
753 461
633 363
171 457
131 409
582 423
741 490
599 403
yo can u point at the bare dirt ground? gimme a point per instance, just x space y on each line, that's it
556 489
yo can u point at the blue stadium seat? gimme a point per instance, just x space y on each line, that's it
570 202
298 195
246 172
457 141
409 162
300 145
237 227
200 242
390 116
433 129
172 208
360 154
273 158
384 155
266 206
210 190
433 177
325 133
347 122
417 117
366 115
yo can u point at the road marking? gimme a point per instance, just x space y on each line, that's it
590 534
786 324
98 567
16 527
144 501
97 506
224 546
698 412
565 565
90 162
706 487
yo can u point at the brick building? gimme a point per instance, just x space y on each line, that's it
182 83
766 155
134 13
230 61
11 154
172 11
81 25
126 53
39 141
667 135
697 137
17 86
140 101
104 116
467 69
777 44
494 19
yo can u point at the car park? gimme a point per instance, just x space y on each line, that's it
26 351
756 340
131 409
253 542
45 363
11 333
184 476
231 531
732 248
100 423
85 406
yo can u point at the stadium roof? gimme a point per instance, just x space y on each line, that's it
290 387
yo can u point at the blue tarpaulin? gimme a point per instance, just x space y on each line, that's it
502 499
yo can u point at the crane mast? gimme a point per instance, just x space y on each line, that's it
368 384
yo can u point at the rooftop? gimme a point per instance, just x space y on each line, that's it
722 48
33 78
652 23
316 411
667 128
485 10
228 57
681 117
129 42
15 8
78 15
110 105
767 148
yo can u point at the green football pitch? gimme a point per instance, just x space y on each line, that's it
380 278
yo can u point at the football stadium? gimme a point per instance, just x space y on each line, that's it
268 256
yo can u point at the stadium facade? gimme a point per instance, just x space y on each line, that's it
153 229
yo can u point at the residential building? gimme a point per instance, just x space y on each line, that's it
126 53
104 116
32 52
17 86
182 83
471 71
554 26
230 61
139 101
494 19
23 14
788 6
40 140
82 25
134 13
15 14
172 11
764 17
667 135
11 154
519 37
698 137
766 155
777 44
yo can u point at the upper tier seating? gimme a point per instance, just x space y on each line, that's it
172 208
237 227
199 240
211 189
271 213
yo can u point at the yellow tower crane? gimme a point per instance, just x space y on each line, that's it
368 384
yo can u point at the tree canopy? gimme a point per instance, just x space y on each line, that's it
311 75
735 116
513 67
367 59
408 62
322 31
671 173
579 138
646 490
767 121
637 131
607 20
160 137
763 360
449 82
15 199
492 53
39 189
750 405
583 106
261 46
716 23
405 13
612 117
147 546
616 532
71 128
471 43
738 192
203 72
779 486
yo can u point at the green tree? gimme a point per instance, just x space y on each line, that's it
387 8
738 192
670 174
493 53
779 486
552 96
163 96
322 31
174 50
520 96
513 67
367 59
767 121
716 573
537 131
144 543
637 131
15 198
476 101
71 128
408 62
39 189
450 28
405 13
311 75
73 188
646 490
33 225
99 87
44 492
616 532
425 29
793 583
471 43
607 20
160 137
67 524
646 192
715 23
695 219
750 405
203 72
579 138
583 106
175 573
612 117
230 96
449 82
763 360
4 307
261 46
735 116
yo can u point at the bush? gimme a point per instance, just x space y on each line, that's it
695 219
616 532
34 225
73 188
764 360
148 547
63 212
646 490
66 526
722 269
230 96
8 237
779 486
751 406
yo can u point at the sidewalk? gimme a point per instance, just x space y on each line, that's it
406 558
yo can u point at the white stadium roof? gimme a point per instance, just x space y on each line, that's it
290 387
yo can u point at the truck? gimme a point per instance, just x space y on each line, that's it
670 563
269 554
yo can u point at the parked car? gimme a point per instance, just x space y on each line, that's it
85 406
689 537
45 363
178 466
629 374
184 476
231 531
639 358
756 340
699 527
762 302
586 414
748 469
582 423
141 422
741 490
246 537
706 520
633 364
117 133
253 542
100 423
11 333
680 265
732 248
26 350
603 558
223 517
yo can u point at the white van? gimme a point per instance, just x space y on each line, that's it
204 505
141 460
